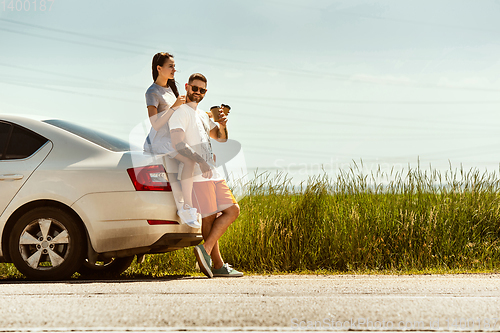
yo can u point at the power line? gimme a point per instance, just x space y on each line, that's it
371 138
383 18
227 62
74 33
296 151
79 93
351 114
66 76
345 101
373 17
70 41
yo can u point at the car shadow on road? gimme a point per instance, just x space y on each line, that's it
124 279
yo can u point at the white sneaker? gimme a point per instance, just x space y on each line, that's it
195 217
184 215
189 217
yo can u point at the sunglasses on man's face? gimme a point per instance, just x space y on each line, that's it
195 89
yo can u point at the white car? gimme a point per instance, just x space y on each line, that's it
74 199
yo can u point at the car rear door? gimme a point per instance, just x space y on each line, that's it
21 152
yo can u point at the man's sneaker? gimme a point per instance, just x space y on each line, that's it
226 271
186 217
204 260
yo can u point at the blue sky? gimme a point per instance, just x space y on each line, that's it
310 82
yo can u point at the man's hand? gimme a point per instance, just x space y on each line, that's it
219 133
222 119
205 169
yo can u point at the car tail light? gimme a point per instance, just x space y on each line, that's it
149 178
156 222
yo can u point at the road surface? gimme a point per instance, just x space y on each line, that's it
267 303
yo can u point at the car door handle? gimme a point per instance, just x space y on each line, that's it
11 177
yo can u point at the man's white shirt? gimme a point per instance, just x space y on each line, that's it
196 125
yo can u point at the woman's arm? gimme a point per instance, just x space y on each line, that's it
158 122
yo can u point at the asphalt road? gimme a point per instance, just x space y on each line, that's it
269 303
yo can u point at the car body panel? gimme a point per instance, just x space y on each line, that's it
94 183
117 224
15 173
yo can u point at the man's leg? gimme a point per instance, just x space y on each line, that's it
213 228
206 227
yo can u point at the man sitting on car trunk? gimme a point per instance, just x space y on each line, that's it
190 130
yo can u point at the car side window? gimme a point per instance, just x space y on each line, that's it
5 130
21 143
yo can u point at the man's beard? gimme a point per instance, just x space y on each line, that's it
192 98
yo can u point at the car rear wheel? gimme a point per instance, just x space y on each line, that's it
47 244
109 268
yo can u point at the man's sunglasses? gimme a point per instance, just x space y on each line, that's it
195 89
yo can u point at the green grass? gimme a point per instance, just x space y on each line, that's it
408 222
8 271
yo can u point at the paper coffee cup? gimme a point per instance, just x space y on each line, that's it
215 112
225 109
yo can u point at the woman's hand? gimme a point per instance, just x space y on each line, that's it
180 100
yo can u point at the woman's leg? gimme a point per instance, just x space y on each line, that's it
172 165
186 178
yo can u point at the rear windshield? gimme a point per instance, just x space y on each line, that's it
99 138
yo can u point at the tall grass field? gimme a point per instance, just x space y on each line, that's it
406 221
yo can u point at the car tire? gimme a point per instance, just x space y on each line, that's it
47 243
102 269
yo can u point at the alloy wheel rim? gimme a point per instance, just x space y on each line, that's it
44 244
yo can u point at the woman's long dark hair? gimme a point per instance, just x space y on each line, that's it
158 60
